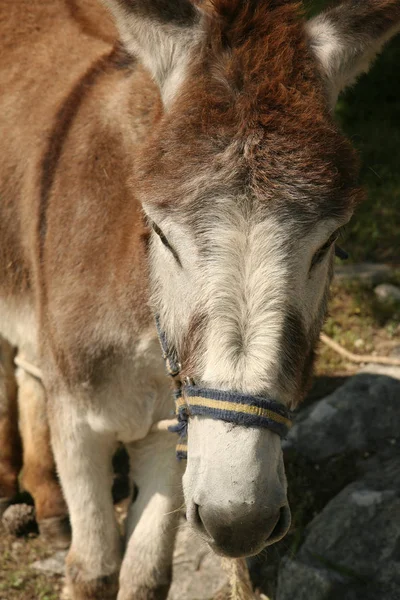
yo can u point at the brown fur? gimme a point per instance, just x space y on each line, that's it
10 443
39 473
279 120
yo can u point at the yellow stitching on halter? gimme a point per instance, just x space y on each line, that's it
181 447
179 402
234 407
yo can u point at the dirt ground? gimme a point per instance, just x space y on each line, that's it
18 580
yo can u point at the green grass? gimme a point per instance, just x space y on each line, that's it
369 115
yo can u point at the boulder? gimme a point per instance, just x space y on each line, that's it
351 549
361 415
197 572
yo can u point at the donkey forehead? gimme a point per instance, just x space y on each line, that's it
311 169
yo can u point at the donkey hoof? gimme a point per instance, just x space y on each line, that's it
102 588
159 592
56 531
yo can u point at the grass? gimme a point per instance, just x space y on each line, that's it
360 323
369 114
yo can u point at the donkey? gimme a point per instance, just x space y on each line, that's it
177 159
23 414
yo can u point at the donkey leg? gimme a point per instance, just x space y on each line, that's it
152 520
84 462
10 442
39 476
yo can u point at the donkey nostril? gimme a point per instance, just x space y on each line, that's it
198 521
281 527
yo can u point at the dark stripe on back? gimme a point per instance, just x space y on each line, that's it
63 121
116 59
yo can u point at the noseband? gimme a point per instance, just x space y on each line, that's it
231 407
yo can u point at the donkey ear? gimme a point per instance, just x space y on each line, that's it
347 38
160 33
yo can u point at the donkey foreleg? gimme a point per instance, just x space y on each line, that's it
83 459
10 443
39 473
152 520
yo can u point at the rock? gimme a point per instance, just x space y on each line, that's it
300 581
197 571
351 549
389 371
53 565
368 273
19 519
387 292
363 414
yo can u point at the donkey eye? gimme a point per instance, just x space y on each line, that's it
166 243
319 255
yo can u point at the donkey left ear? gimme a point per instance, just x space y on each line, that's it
347 38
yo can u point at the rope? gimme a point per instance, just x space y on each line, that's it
28 367
239 586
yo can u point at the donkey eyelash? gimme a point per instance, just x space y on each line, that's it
319 255
165 241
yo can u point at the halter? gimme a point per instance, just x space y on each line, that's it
231 407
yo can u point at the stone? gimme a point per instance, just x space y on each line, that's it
368 273
53 565
351 549
388 370
299 581
386 292
360 415
19 519
197 572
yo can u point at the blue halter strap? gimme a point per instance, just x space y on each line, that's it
231 407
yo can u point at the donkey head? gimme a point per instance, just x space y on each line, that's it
246 182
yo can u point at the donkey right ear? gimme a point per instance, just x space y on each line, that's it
161 34
346 39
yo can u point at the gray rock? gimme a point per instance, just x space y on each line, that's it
388 370
351 549
387 292
368 273
299 581
363 414
19 519
53 565
197 571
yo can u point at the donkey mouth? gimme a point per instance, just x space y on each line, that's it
245 539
